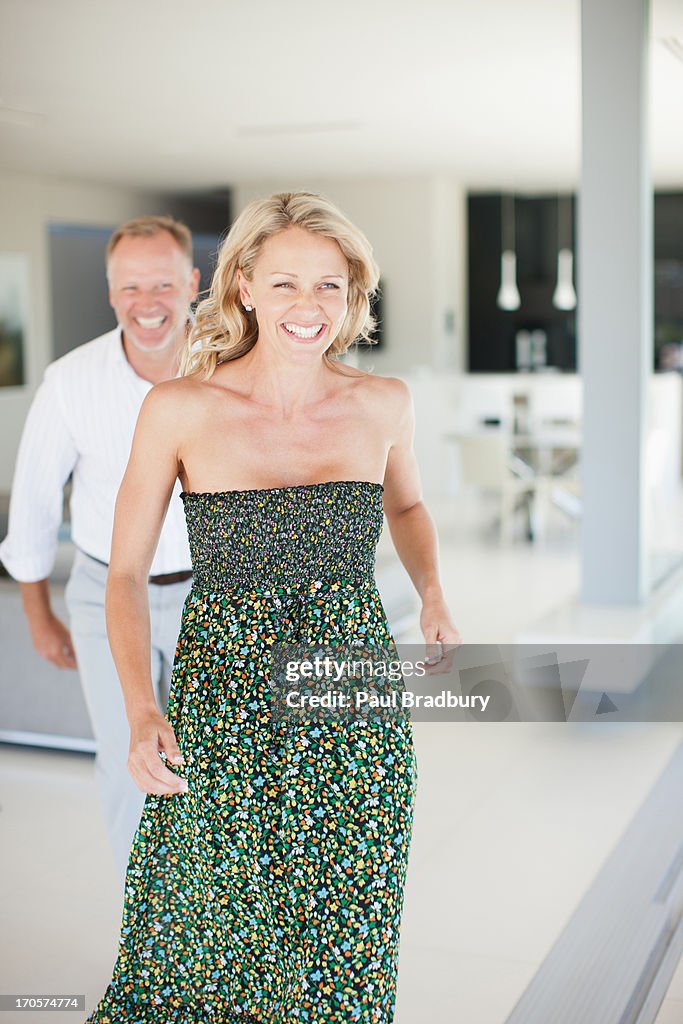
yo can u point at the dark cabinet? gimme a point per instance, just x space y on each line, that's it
538 236
668 298
493 331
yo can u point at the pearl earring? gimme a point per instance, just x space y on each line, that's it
249 308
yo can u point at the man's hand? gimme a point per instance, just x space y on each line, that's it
50 636
52 641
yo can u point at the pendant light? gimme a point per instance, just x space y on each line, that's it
508 293
564 296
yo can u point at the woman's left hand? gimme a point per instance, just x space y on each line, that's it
442 638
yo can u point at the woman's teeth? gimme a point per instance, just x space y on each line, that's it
303 332
149 323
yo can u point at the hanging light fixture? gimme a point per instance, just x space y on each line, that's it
508 293
564 296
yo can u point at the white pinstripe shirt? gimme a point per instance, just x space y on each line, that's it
81 421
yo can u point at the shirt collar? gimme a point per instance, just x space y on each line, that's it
117 354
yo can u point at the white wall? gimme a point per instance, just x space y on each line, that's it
27 206
417 229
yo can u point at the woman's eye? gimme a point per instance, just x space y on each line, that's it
284 284
330 284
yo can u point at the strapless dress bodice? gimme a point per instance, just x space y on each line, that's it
284 536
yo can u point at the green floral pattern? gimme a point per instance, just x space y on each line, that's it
272 891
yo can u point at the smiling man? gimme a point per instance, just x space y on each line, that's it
81 425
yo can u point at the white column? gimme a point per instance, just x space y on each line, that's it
615 298
448 222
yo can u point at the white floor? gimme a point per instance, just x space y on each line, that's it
512 823
671 1011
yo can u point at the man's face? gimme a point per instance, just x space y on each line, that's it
151 286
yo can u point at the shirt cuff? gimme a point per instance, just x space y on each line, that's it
26 568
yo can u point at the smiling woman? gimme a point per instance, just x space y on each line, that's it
309 306
266 878
227 325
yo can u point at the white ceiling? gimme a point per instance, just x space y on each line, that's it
174 94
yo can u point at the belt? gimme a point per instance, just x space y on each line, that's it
171 577
162 580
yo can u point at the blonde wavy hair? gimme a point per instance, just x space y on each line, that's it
224 330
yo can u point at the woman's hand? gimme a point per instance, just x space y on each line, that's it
442 638
151 735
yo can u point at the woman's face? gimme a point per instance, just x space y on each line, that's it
299 291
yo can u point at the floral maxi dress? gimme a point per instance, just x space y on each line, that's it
272 891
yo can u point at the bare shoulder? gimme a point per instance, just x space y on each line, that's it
386 403
389 396
391 390
174 402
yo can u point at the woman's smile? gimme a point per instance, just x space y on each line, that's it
304 333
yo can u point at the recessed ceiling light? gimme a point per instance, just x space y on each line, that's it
310 128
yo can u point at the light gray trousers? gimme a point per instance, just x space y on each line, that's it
122 801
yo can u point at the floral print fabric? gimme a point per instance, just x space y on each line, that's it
272 891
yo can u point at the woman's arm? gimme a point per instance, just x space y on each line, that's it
141 506
410 524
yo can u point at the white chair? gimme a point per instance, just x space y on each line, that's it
486 462
566 494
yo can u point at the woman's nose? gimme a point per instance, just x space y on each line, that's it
308 300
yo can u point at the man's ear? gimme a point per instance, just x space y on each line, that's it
195 280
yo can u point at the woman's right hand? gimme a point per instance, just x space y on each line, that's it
151 735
